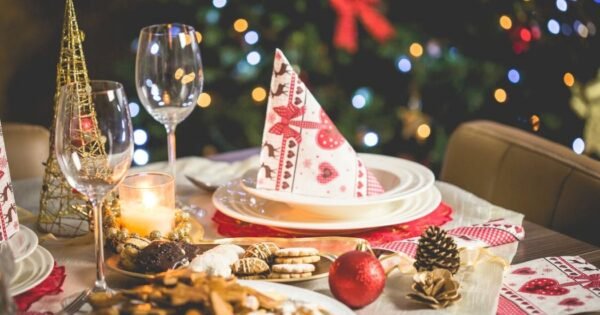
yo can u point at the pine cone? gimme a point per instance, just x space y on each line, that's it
437 289
436 250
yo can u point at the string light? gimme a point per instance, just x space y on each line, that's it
251 37
561 5
240 25
569 79
505 22
141 157
500 95
514 76
259 94
423 131
416 50
253 58
404 64
359 101
553 26
134 109
578 145
204 100
371 139
140 137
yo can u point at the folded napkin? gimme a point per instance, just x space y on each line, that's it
489 234
551 285
302 150
50 286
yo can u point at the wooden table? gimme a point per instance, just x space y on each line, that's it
542 242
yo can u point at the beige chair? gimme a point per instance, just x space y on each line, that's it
518 170
27 148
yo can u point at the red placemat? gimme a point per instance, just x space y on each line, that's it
51 286
230 227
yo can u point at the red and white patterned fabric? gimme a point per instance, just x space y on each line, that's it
302 150
551 285
490 234
9 222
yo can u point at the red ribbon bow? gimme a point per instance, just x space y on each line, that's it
287 113
375 23
591 281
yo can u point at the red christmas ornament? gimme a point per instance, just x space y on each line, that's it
356 278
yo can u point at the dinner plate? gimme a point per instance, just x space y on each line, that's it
33 270
23 243
321 269
235 202
400 179
299 294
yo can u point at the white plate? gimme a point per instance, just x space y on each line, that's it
33 270
299 294
235 202
23 243
400 179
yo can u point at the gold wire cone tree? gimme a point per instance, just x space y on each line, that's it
63 210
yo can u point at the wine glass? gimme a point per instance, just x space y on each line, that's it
168 76
94 147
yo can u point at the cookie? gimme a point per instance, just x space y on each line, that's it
253 277
297 252
293 268
249 266
277 275
264 250
297 260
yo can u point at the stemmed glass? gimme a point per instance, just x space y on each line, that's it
94 147
168 76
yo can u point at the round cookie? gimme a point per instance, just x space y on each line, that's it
263 250
297 260
297 252
276 275
293 268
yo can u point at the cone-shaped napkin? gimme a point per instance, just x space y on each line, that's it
302 150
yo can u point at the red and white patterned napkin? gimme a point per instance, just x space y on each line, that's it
302 150
551 285
9 222
489 234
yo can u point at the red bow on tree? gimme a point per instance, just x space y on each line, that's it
374 22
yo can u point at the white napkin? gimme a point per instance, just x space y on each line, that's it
302 150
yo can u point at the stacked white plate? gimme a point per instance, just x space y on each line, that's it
33 263
409 195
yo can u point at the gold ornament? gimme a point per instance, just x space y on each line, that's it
585 101
436 289
63 210
436 250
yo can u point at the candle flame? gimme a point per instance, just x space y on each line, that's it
149 199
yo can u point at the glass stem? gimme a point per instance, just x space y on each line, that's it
100 284
171 148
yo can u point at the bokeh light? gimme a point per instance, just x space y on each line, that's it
534 120
251 37
219 3
141 157
566 29
561 5
404 64
240 25
416 50
505 22
140 137
514 76
253 58
525 35
423 131
578 145
204 100
371 139
259 94
569 79
500 95
553 26
134 109
359 101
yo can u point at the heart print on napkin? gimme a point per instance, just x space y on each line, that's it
551 285
302 150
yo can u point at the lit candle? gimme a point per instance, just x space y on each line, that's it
148 203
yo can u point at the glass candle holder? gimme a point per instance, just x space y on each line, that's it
148 203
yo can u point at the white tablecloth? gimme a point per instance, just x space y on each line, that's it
468 209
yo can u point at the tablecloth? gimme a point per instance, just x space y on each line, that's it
468 209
